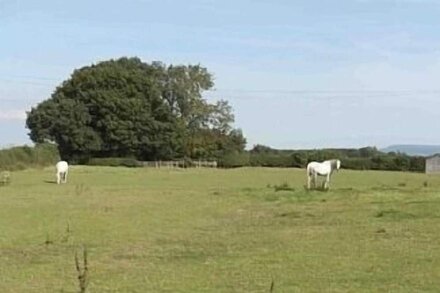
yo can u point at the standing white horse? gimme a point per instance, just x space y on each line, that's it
62 169
326 168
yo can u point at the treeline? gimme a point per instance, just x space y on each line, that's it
23 157
368 158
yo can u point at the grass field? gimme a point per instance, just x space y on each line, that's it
240 230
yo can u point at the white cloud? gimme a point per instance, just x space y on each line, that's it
13 115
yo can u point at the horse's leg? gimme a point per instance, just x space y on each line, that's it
308 181
65 177
327 182
58 178
315 179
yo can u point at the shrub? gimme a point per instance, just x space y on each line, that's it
114 162
271 160
234 160
22 157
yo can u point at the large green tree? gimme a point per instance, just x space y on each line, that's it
126 107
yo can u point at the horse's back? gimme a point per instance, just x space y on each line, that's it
319 168
62 166
312 164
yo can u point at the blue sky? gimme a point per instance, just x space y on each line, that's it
299 74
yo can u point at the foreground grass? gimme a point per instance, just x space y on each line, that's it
150 230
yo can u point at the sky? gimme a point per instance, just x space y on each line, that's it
298 74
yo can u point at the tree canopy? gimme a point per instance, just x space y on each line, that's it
127 107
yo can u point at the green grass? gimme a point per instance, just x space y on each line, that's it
197 230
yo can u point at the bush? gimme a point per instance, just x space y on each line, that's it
234 160
357 163
114 162
271 160
22 157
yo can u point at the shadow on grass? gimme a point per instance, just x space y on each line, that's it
317 189
289 196
50 181
295 215
283 187
321 188
394 214
385 188
285 193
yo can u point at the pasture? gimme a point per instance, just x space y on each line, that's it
213 230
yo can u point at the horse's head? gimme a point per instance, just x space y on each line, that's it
336 165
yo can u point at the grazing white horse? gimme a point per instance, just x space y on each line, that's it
5 178
62 169
326 168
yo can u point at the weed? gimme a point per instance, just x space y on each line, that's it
272 286
48 241
83 272
80 189
65 238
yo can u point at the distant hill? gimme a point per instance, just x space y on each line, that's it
413 149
